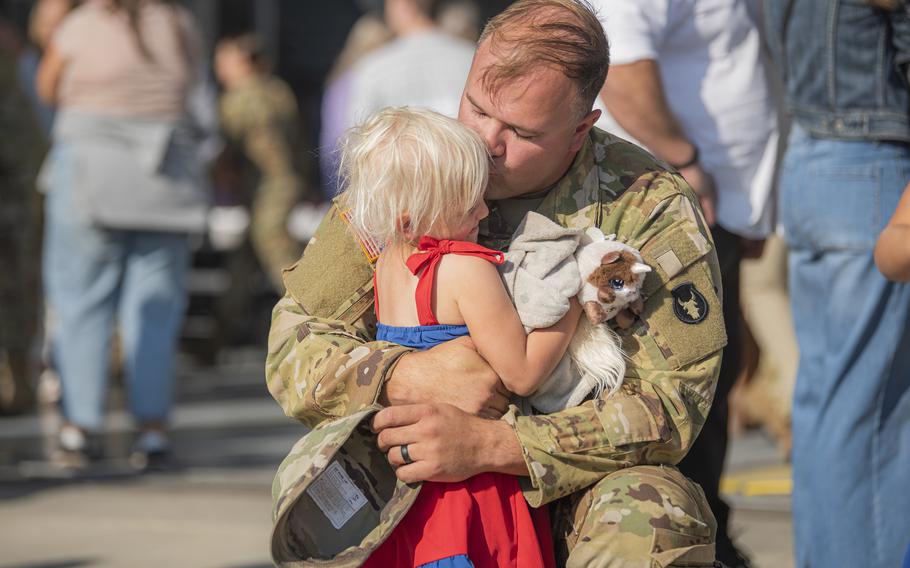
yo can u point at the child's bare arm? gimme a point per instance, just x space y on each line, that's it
522 361
892 252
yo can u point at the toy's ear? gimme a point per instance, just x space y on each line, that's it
610 258
640 268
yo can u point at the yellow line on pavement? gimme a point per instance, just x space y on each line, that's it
759 482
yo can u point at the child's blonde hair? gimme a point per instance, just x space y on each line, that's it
411 163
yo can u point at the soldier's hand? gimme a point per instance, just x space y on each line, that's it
452 373
445 443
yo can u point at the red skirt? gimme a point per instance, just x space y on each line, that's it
485 517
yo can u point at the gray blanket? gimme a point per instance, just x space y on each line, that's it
541 275
540 272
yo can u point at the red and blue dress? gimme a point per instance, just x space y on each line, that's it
483 521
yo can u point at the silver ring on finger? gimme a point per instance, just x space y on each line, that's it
405 455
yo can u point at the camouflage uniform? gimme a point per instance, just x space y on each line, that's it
20 151
261 116
611 459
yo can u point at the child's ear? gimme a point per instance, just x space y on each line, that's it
404 226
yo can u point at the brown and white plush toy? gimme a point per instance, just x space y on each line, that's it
612 275
548 264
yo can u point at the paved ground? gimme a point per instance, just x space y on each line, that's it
214 509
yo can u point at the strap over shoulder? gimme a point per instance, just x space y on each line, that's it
423 264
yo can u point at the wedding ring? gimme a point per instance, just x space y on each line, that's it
405 455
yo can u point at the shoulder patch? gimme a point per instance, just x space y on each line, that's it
688 304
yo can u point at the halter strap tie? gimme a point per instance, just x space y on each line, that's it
424 263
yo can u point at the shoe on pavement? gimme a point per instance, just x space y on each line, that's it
73 448
151 451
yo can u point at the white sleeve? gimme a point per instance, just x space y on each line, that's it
635 28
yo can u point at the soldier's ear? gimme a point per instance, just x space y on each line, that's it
582 129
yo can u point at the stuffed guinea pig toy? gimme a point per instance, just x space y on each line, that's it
612 275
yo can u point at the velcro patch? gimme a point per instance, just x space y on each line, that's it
688 304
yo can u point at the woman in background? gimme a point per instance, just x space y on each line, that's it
124 192
845 70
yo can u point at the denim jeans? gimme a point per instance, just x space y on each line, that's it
851 405
94 276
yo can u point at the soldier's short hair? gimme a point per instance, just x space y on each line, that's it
563 34
414 164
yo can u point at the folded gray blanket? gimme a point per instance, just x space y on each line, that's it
541 275
540 272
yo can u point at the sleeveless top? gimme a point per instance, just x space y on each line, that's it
483 521
423 264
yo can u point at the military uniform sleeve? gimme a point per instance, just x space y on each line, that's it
674 352
323 361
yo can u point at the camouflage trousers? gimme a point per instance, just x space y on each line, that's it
639 517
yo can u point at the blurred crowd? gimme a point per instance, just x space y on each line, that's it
136 153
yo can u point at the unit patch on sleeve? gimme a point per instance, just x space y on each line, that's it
688 304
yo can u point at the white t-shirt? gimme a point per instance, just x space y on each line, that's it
713 72
426 70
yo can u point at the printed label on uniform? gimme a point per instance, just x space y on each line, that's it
336 495
688 304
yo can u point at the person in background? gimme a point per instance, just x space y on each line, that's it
259 115
422 67
117 234
368 34
844 65
21 149
688 83
892 250
460 18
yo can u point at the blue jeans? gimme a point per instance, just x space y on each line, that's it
851 405
93 275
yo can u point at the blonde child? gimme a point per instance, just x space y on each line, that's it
414 181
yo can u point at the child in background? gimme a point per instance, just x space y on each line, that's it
414 180
892 251
259 115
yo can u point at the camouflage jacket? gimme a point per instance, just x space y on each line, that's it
261 117
324 363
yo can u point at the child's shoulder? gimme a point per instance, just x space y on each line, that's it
465 267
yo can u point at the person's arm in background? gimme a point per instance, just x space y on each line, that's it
892 251
634 92
49 73
634 95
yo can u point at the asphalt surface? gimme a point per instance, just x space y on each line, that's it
212 509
